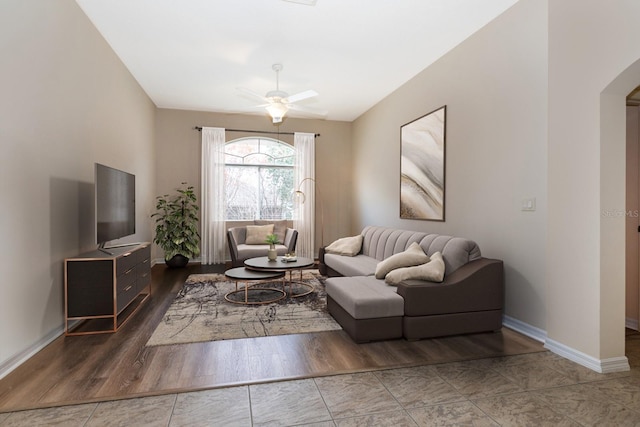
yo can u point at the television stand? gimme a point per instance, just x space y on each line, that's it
103 290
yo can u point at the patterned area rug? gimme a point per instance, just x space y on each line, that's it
200 312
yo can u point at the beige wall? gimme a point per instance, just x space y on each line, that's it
494 85
632 220
632 208
178 157
593 65
67 102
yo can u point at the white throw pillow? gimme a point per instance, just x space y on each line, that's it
414 255
349 246
433 271
257 234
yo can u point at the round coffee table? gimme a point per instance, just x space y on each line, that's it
241 274
263 264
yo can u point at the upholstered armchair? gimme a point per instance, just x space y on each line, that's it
249 241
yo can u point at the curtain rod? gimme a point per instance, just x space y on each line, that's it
199 129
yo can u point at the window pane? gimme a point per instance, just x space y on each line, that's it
254 190
277 189
242 193
258 159
280 153
242 147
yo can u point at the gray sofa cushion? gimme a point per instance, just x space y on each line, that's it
365 297
359 265
456 251
382 242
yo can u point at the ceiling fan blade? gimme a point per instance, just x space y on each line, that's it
301 95
253 94
307 110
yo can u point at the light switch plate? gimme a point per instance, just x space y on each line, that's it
529 204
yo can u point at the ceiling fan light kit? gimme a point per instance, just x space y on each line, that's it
277 111
278 102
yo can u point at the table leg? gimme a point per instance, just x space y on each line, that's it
248 287
309 287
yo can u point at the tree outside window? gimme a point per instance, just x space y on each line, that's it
258 179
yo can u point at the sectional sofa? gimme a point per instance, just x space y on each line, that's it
469 299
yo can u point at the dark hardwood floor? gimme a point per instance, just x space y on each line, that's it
91 368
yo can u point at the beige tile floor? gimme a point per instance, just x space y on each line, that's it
537 389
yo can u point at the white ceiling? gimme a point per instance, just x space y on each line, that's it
193 54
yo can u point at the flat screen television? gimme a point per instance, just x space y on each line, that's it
115 204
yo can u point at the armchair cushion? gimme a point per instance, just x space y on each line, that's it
279 227
257 234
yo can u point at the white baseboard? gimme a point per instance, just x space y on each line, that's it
7 366
524 328
604 366
614 364
631 324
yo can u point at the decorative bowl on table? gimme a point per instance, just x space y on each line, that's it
289 257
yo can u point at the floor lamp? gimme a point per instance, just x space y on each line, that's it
300 194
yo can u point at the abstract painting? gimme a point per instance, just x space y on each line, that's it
422 161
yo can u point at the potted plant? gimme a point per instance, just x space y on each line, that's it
272 240
177 226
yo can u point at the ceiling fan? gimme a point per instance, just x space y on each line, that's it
278 102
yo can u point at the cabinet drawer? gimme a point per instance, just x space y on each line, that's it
126 262
144 275
126 296
126 280
144 254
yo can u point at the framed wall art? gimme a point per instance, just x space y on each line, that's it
422 167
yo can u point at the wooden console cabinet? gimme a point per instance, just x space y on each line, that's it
103 290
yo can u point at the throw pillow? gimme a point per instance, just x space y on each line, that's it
433 271
257 234
414 255
349 246
279 227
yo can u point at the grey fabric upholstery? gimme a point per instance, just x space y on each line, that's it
365 297
359 265
365 330
239 251
382 242
469 299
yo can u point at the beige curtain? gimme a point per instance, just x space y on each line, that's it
212 205
304 218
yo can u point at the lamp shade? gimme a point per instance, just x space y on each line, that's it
277 111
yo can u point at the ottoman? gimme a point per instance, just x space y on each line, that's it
367 308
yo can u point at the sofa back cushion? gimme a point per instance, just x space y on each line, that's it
382 242
456 251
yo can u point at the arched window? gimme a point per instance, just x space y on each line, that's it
258 179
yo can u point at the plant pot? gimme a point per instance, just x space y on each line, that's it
177 261
272 254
